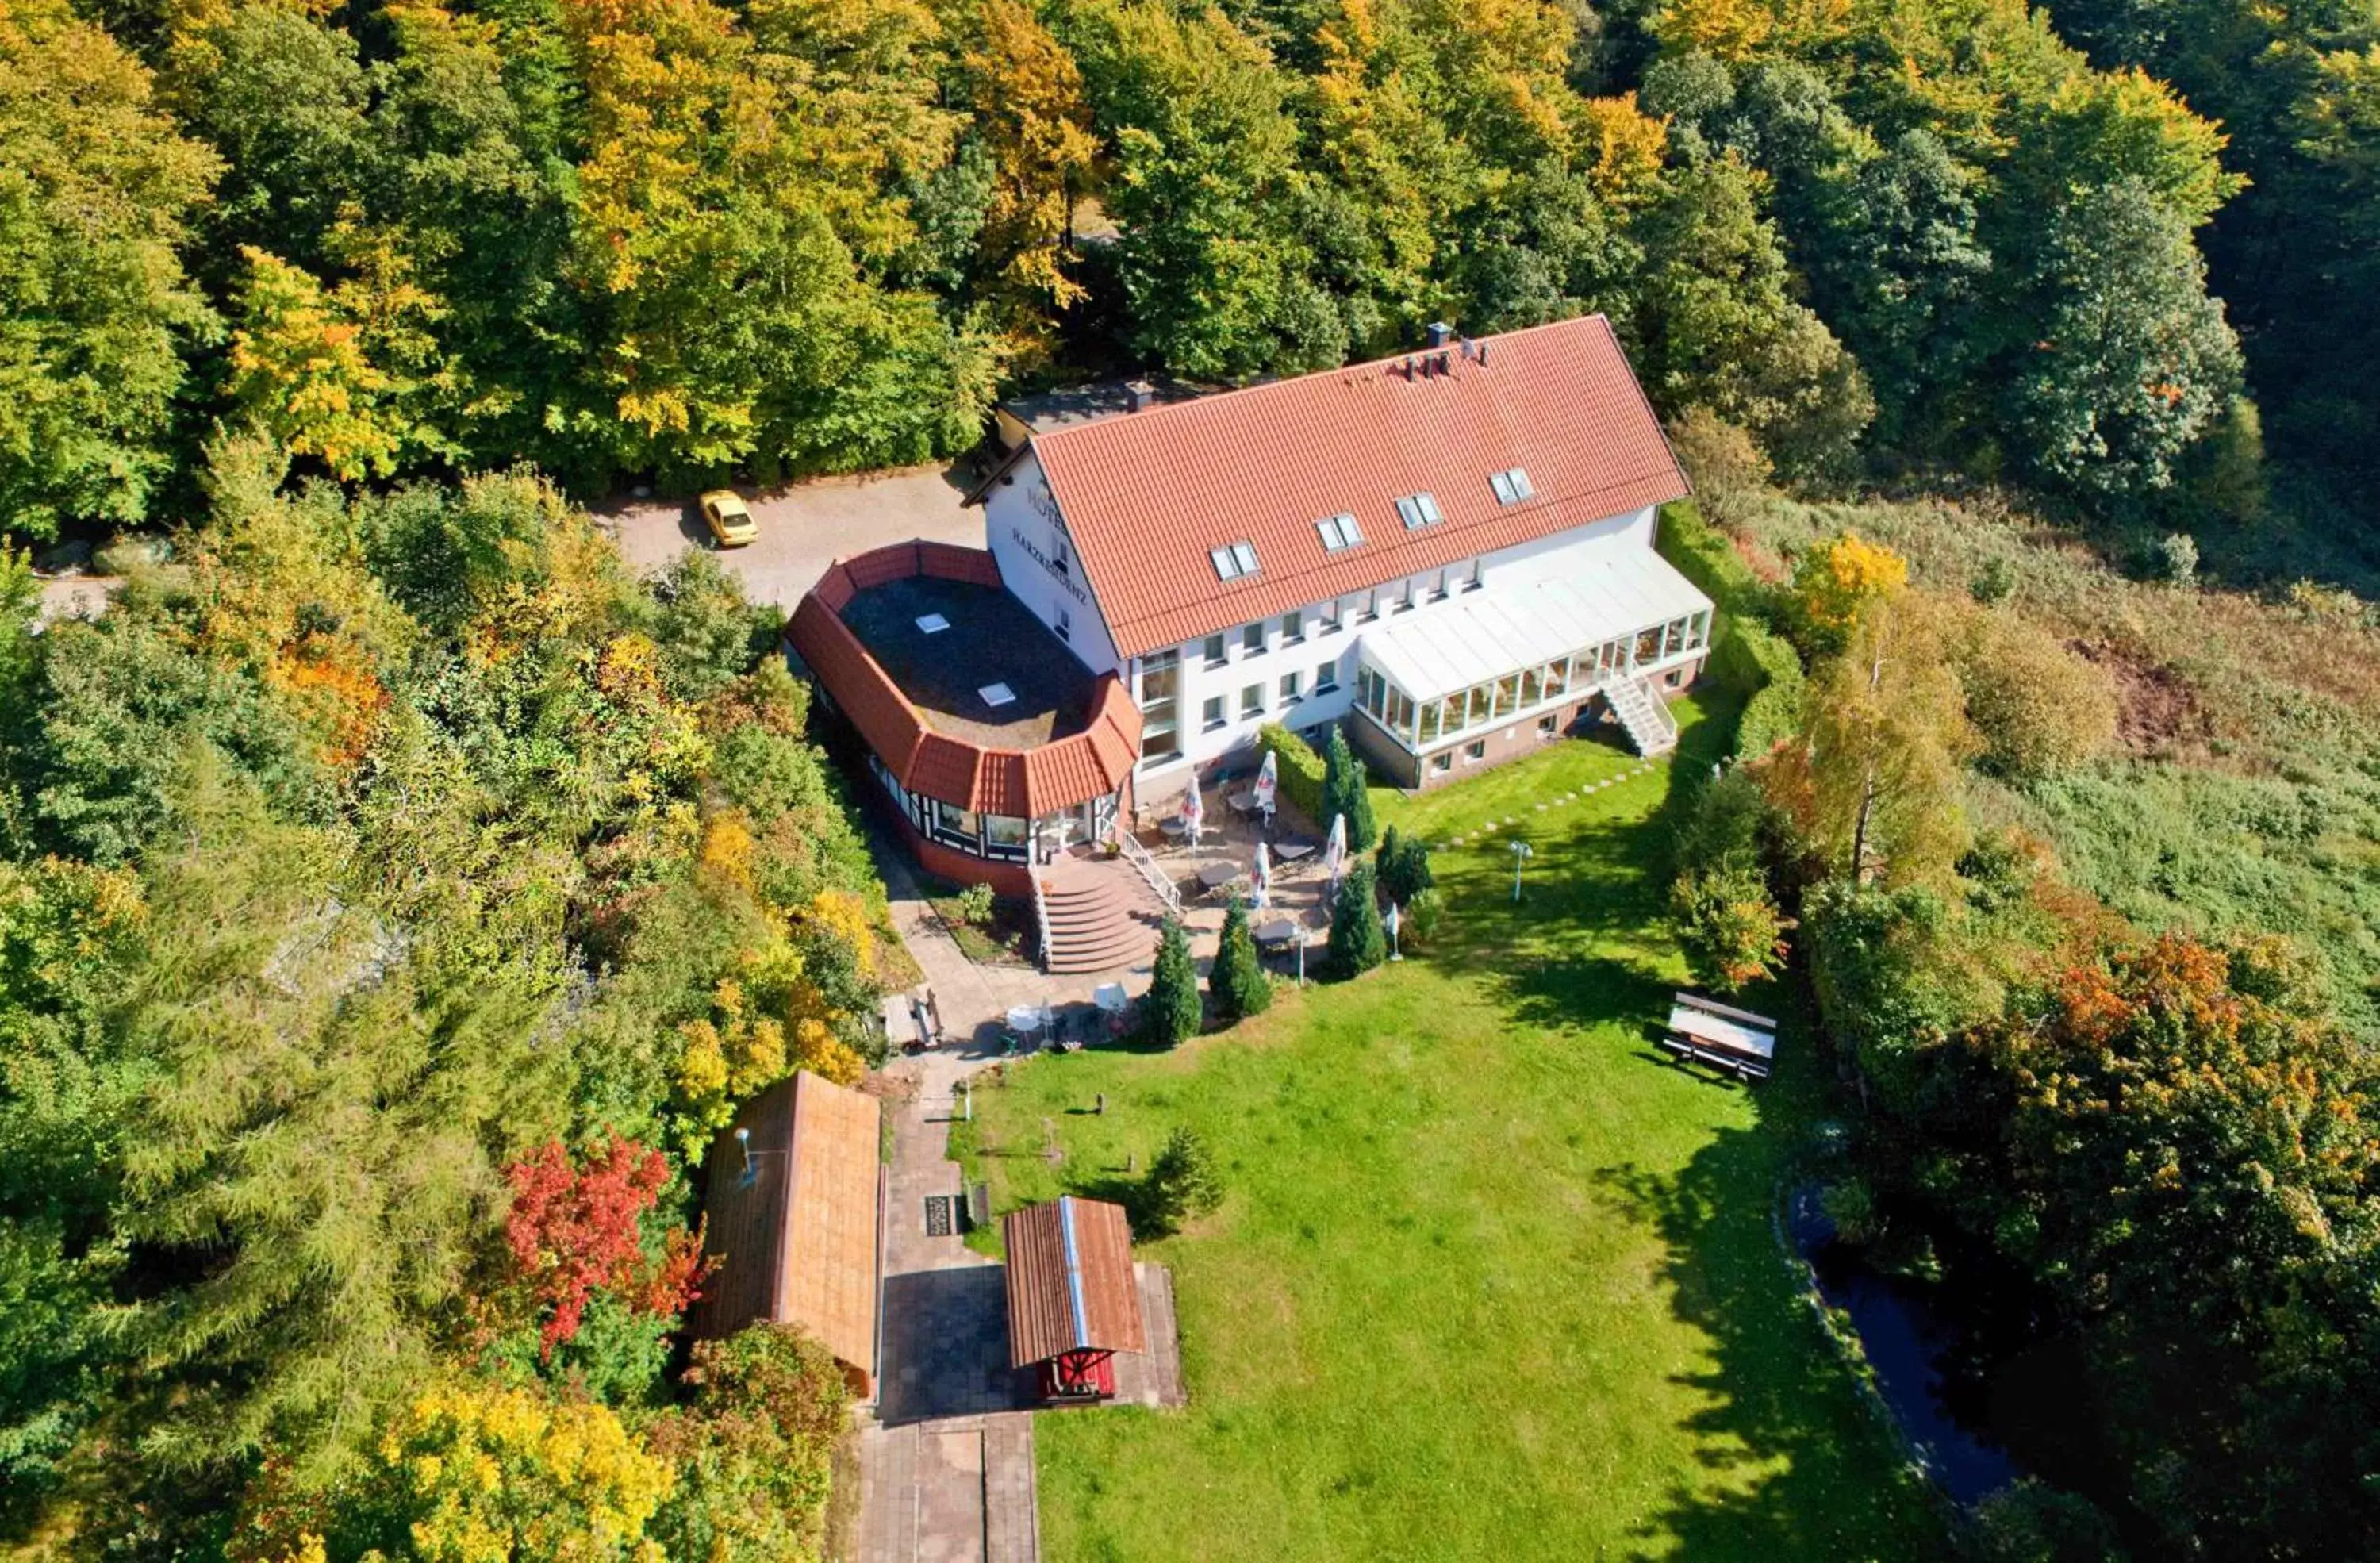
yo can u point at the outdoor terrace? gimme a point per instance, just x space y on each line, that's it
990 639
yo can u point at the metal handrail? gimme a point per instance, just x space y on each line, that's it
1139 856
1042 916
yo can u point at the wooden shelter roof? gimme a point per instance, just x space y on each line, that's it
794 1238
1071 1286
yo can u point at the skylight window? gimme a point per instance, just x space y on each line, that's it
1339 531
933 624
1512 486
1234 560
1419 510
997 694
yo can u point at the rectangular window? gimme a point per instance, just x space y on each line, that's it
1234 560
1251 641
1548 726
1556 679
1508 694
1402 597
1160 694
1339 531
1438 585
1648 645
1210 715
1675 675
1475 750
1325 678
1216 655
1059 553
1428 732
1512 485
1532 685
1443 763
1371 608
1419 510
1252 701
1291 688
1474 580
1065 624
1330 616
1293 628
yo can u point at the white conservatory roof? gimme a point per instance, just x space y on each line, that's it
1581 595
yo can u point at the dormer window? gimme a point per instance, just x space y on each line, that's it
1512 486
1339 531
1234 560
1419 510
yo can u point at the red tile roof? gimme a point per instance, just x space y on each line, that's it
1071 1286
1018 784
1147 495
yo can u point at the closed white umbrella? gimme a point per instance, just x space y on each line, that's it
1267 782
1194 812
1264 877
1335 851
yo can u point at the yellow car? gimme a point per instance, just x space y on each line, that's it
729 518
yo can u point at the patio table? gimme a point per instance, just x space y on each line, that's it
1215 875
1243 803
1288 853
1276 933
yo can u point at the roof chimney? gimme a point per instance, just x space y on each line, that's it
1438 331
1483 355
1138 394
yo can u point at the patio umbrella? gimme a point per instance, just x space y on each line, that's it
1267 781
1194 812
1335 851
1264 877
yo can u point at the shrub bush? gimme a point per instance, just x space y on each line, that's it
975 904
1299 768
2040 709
1344 793
1357 942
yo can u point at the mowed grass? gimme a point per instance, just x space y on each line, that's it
1491 1279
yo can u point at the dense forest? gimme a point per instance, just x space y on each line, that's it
394 893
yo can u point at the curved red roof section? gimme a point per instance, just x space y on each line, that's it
1018 784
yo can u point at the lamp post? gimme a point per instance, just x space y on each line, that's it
1521 853
1395 920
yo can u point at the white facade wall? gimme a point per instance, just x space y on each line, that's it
1037 564
1229 743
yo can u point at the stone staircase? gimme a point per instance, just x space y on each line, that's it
1642 714
1100 915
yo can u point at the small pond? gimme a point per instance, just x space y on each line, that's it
1907 1336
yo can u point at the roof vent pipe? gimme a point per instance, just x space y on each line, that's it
1483 355
1138 394
1438 332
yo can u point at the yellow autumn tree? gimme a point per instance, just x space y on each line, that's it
490 1475
298 368
1725 30
1623 147
1031 110
1834 581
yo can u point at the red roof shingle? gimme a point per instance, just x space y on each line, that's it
1147 495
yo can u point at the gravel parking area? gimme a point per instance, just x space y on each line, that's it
806 526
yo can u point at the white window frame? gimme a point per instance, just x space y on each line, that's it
1339 532
1252 701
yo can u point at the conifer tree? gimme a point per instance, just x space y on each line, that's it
1344 793
1173 1011
1238 980
1358 943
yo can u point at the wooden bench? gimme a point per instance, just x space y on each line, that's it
1734 1041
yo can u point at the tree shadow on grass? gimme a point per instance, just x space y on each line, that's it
1794 1464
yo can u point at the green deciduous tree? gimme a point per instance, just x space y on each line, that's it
94 310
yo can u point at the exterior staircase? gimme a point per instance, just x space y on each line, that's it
1098 913
1642 714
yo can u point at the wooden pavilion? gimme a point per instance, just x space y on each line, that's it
791 1221
1074 1299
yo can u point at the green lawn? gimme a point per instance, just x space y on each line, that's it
1491 1282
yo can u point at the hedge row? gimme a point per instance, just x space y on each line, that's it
1297 766
1746 654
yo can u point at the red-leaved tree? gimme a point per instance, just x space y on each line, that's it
575 1231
